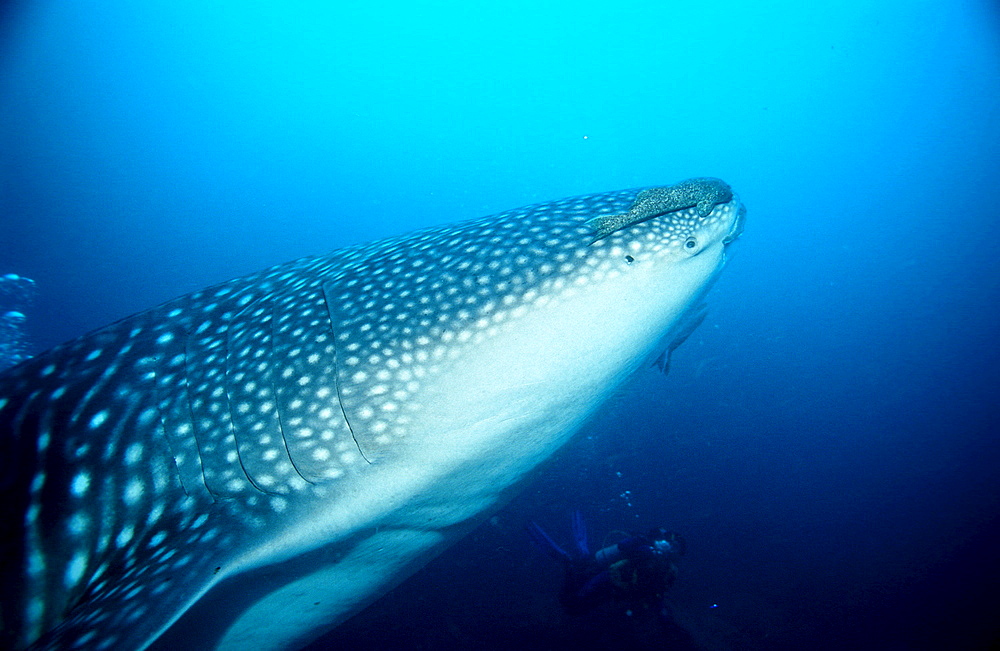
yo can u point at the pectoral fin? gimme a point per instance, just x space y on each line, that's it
687 325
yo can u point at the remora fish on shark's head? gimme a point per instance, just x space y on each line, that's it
249 465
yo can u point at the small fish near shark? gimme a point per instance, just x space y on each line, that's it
704 194
249 465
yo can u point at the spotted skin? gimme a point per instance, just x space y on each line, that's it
328 422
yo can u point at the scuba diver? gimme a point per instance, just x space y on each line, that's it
16 294
635 572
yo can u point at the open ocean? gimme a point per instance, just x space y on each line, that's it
826 441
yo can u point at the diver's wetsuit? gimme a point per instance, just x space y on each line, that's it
636 572
617 594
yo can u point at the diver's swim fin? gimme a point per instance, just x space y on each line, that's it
544 542
580 534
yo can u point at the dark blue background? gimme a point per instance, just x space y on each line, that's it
826 440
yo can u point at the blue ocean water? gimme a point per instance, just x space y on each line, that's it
825 440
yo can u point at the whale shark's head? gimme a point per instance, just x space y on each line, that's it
525 303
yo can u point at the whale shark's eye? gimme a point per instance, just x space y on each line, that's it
691 244
629 259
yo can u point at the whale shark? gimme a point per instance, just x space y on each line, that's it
251 464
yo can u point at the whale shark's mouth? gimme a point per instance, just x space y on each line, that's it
738 223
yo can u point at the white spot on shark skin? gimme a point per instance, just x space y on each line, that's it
133 492
124 536
31 515
133 453
80 484
78 524
99 418
75 569
35 610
